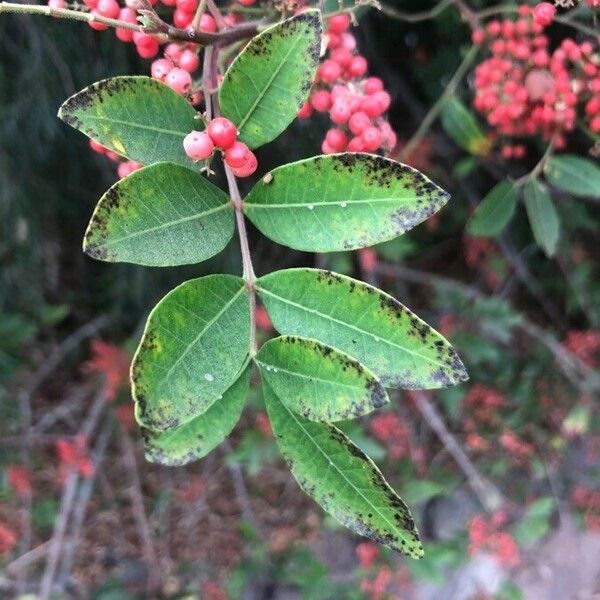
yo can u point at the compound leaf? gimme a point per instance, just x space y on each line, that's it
341 202
317 381
194 345
137 117
329 467
364 322
270 79
161 215
199 436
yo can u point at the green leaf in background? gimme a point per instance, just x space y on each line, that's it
159 216
495 211
270 79
364 322
461 125
543 217
137 117
341 202
535 523
199 436
317 381
573 174
342 478
194 345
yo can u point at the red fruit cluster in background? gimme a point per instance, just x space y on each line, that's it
391 431
526 89
588 501
112 362
481 406
519 450
73 456
486 535
585 344
355 103
8 538
19 480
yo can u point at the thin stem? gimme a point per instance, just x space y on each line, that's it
155 24
435 110
418 16
198 14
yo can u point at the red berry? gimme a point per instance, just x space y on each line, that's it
149 50
207 23
356 144
198 145
340 112
189 61
182 19
248 167
330 71
326 148
179 80
223 132
371 138
321 100
339 23
305 111
336 139
173 52
96 25
358 66
108 8
160 68
543 13
247 2
358 122
188 6
142 39
237 155
373 84
129 15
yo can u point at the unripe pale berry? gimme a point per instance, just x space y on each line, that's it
248 167
237 155
207 23
108 8
179 80
223 132
57 3
198 145
173 52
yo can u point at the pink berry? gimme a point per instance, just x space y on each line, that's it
207 24
182 19
321 100
339 23
342 56
326 148
358 66
336 139
57 3
148 50
356 144
198 145
173 52
179 80
247 2
543 13
371 138
96 25
188 6
358 122
189 61
330 71
248 167
340 112
373 84
305 111
237 155
223 132
108 8
161 68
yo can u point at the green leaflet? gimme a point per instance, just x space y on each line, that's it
162 215
573 174
543 217
462 126
495 211
199 436
330 468
341 202
317 381
270 79
194 345
137 117
363 322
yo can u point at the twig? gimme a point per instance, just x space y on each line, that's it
488 494
416 17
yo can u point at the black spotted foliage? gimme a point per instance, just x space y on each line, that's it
342 341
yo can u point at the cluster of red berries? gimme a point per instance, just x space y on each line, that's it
221 133
8 538
113 363
585 344
19 480
481 405
125 167
588 501
483 254
526 89
520 450
355 103
73 456
486 535
392 432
